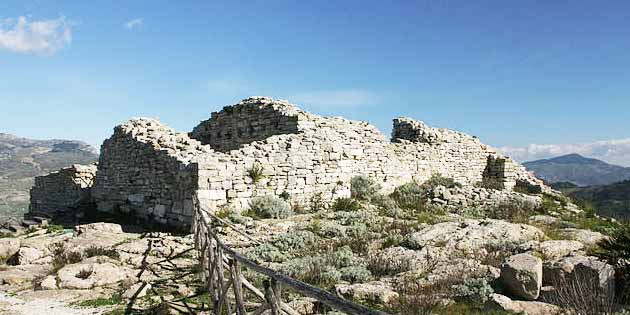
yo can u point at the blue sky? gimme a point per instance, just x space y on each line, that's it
513 73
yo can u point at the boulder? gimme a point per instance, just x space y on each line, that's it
98 227
586 237
522 276
28 255
555 249
8 247
471 235
580 268
375 291
49 283
90 275
504 303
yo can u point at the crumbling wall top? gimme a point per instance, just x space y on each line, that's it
409 129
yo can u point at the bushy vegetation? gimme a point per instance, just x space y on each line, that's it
616 251
63 256
346 204
93 251
270 207
438 180
474 291
255 172
410 196
363 187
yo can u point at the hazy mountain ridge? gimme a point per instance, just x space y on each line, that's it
22 159
578 170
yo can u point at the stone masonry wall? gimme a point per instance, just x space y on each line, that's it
61 192
145 169
251 120
153 171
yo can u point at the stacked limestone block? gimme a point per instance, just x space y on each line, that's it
148 170
62 192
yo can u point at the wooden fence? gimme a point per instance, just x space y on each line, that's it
231 293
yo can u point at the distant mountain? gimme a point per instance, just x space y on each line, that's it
578 170
22 159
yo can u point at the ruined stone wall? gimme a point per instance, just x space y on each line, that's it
146 169
152 171
252 119
62 192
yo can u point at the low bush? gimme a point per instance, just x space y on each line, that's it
474 291
101 251
270 207
438 180
346 204
363 187
63 256
410 196
514 210
616 251
317 203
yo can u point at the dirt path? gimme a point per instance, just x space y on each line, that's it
53 304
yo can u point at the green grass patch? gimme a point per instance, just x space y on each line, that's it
114 299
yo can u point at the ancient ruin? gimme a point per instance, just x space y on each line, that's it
263 146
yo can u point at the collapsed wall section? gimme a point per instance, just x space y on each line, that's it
62 192
147 170
253 119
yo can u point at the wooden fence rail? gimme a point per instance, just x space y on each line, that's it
231 293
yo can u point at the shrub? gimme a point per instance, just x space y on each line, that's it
380 265
582 293
476 291
62 256
285 196
439 180
294 240
315 270
54 228
84 274
514 210
363 187
100 251
317 203
346 204
410 196
616 251
255 172
270 207
266 253
355 274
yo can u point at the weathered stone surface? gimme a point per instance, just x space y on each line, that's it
375 291
28 255
504 303
522 275
49 283
586 237
89 275
8 247
470 235
98 227
555 249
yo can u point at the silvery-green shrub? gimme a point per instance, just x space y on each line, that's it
270 207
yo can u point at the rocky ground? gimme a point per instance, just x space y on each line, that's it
387 252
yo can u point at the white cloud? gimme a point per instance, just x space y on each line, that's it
611 151
135 23
40 37
347 98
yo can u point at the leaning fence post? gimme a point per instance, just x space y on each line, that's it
271 298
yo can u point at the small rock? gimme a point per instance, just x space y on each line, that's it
184 290
28 255
522 276
138 290
375 291
504 303
8 247
543 219
49 283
